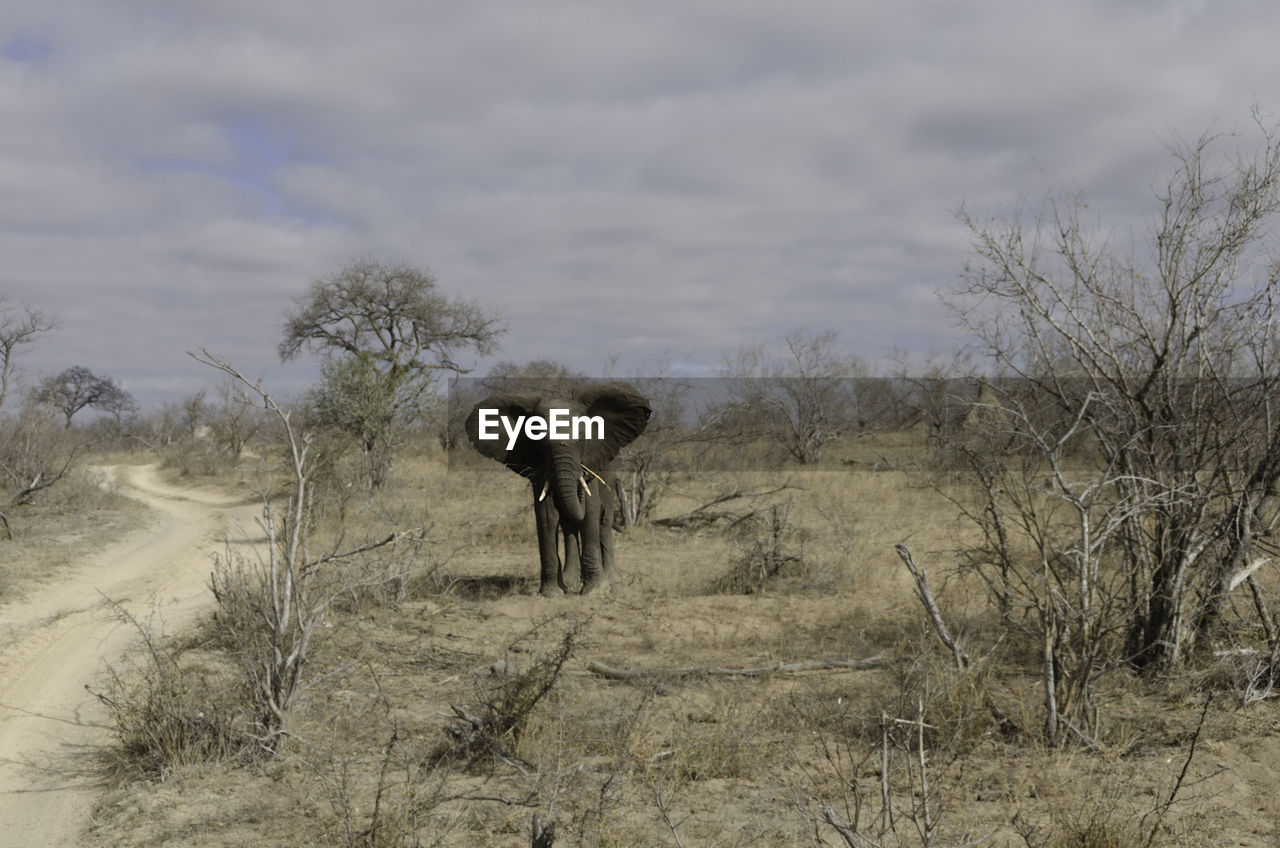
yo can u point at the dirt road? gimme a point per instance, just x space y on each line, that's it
54 641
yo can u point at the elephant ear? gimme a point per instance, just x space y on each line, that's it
521 458
625 412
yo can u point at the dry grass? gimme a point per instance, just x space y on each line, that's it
170 710
700 760
65 524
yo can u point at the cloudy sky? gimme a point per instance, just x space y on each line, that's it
627 179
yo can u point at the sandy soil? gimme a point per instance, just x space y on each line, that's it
53 644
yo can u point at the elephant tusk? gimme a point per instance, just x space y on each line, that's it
586 487
593 474
543 495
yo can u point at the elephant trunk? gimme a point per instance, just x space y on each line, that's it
567 470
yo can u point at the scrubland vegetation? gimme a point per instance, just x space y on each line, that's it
445 703
1082 652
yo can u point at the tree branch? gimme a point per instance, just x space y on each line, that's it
931 606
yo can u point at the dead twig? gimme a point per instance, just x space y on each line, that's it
1156 814
666 814
360 549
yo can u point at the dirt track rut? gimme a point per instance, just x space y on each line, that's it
54 642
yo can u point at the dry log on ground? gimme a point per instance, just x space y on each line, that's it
704 516
600 667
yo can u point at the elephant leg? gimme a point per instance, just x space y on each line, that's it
547 518
592 568
571 573
608 510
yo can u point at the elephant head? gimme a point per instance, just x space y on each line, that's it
563 464
574 466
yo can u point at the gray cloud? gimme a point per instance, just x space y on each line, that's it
630 178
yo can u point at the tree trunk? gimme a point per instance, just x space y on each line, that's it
1248 514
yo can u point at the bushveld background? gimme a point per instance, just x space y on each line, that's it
424 638
1023 597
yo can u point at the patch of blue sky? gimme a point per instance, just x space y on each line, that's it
26 49
259 153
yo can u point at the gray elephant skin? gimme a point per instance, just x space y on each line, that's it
572 479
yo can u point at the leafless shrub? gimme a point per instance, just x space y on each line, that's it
890 759
670 445
1124 459
768 549
493 731
895 779
1097 821
276 599
800 399
389 797
906 801
585 769
164 715
36 453
414 567
1243 673
268 609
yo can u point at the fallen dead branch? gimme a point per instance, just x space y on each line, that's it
931 607
603 669
707 516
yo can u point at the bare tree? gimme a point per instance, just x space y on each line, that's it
194 410
1134 385
386 330
235 421
77 387
801 398
19 325
35 454
391 313
158 428
280 599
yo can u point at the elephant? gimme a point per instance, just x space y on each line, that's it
576 471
